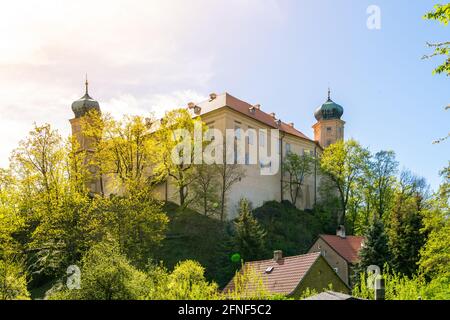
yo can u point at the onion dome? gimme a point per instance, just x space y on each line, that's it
329 110
83 105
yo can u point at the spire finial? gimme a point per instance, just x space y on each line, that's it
329 93
86 83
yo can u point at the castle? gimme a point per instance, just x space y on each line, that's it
222 112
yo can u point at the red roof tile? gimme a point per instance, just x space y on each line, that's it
286 274
347 247
227 100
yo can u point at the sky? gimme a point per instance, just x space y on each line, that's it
145 57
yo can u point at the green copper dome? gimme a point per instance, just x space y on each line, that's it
83 105
329 110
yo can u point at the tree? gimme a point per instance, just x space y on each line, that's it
122 150
383 167
137 223
13 280
406 222
165 144
435 254
229 175
187 282
441 13
375 250
250 236
106 274
343 163
205 188
297 167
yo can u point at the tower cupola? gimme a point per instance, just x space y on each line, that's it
83 105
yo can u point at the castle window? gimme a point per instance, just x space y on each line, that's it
288 148
237 132
251 137
262 139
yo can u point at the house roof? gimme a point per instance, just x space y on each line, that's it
347 247
227 100
331 295
287 273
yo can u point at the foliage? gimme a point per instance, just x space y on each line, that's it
435 254
248 285
250 236
137 222
205 188
343 163
441 13
13 279
297 167
375 250
187 282
174 137
292 230
185 239
405 223
106 274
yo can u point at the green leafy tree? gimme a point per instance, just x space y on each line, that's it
297 168
383 167
250 236
187 282
205 188
106 274
440 13
137 222
166 142
406 222
375 250
343 163
435 254
13 280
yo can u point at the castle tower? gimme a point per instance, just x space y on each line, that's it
329 127
80 108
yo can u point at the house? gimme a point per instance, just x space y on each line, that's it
291 276
331 295
341 251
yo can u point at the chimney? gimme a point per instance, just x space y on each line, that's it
277 255
252 109
257 106
340 232
272 115
380 289
291 124
191 105
212 96
197 110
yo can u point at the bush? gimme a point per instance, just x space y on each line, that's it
13 281
290 229
106 274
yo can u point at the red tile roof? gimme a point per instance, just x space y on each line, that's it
227 100
347 247
285 276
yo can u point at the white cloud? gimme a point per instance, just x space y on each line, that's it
141 56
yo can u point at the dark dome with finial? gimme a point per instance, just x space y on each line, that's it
83 105
329 110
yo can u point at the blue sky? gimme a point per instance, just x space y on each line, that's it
150 56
